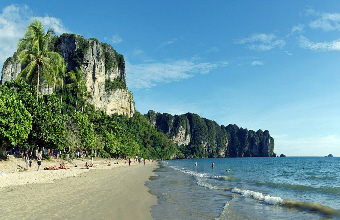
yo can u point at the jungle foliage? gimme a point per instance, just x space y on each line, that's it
64 120
208 139
28 124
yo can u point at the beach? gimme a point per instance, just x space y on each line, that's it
100 192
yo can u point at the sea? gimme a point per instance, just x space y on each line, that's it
247 188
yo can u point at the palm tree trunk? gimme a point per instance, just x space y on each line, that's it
62 91
38 84
61 96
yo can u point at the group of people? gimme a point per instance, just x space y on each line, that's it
139 160
213 165
29 162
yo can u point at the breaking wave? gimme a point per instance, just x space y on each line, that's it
303 206
259 196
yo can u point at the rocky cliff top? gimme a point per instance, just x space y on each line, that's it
103 70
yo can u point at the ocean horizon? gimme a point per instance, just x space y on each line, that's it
247 188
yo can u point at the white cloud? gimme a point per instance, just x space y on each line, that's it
213 49
52 23
14 20
116 39
320 46
148 75
137 52
326 21
257 63
12 27
288 53
296 29
262 42
166 43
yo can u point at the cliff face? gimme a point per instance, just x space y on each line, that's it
201 137
103 69
10 69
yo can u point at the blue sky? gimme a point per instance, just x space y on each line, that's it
270 65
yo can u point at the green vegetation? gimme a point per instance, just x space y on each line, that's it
15 120
33 52
30 124
208 139
112 58
117 83
78 86
64 120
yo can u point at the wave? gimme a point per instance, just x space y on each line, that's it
204 183
315 177
313 207
297 187
226 178
204 175
189 172
259 196
303 206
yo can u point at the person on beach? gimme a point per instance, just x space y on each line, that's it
129 162
39 160
27 160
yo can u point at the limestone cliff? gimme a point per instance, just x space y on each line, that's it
10 69
200 137
103 69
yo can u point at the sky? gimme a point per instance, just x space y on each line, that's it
270 65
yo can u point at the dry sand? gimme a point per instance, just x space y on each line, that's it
102 192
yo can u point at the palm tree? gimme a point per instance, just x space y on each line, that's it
78 84
62 74
58 74
33 52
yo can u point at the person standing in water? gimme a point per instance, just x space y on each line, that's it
212 165
195 164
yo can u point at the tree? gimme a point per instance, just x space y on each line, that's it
78 84
15 120
58 74
34 54
62 73
87 134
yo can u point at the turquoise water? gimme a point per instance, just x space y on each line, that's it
248 188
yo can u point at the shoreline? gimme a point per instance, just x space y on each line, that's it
103 192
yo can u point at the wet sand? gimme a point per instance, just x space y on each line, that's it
115 193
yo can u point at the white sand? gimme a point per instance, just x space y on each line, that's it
10 177
102 192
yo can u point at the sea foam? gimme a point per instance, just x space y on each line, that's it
259 196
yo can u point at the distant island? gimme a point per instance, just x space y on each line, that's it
329 155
